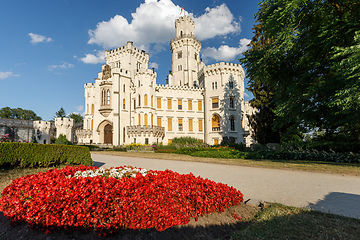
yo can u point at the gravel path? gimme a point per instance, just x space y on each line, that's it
320 191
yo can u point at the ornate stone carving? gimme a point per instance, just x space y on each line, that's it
106 73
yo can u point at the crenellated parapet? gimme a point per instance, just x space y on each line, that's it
129 49
223 68
178 88
185 40
145 72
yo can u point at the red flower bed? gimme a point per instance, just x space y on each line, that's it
160 199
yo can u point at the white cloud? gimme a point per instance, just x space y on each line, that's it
94 59
224 52
64 65
153 23
153 65
36 38
4 75
218 21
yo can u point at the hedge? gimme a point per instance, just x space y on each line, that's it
24 155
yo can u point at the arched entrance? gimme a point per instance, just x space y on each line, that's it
108 136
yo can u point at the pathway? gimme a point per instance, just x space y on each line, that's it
320 191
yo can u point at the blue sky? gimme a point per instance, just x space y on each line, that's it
50 49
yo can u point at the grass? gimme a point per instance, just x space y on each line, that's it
283 222
275 221
350 169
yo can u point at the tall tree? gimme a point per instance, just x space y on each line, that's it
61 113
77 117
299 63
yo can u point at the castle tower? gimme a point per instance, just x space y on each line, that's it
185 49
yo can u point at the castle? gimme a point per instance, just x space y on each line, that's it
125 105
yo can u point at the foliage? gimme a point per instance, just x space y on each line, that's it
311 65
157 199
185 140
23 155
77 117
91 147
18 113
62 140
237 146
60 114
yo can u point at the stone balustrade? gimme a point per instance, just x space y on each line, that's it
138 130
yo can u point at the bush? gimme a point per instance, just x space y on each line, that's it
237 146
62 140
186 140
90 147
24 155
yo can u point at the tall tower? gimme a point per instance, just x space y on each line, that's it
185 49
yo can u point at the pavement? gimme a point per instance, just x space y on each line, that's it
324 192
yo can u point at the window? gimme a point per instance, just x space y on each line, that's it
145 100
179 54
179 104
181 33
215 85
152 101
179 67
152 119
231 85
87 124
138 65
139 100
216 141
215 103
232 123
139 83
124 103
169 103
92 108
146 119
124 88
231 102
195 56
215 123
169 124
212 86
158 103
146 141
87 108
159 121
190 125
103 97
92 124
139 119
199 105
180 122
108 97
200 125
169 141
134 103
189 104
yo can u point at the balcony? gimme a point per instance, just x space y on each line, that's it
138 130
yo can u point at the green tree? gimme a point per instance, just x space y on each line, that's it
309 39
18 113
62 140
77 117
61 113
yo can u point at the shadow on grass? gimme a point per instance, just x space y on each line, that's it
276 222
339 203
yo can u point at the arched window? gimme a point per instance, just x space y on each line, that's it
152 101
92 108
232 123
146 119
108 97
145 100
139 117
103 97
87 124
181 33
215 123
139 100
87 108
124 103
92 124
152 119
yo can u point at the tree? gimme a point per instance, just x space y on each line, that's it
309 39
77 117
61 113
62 140
18 113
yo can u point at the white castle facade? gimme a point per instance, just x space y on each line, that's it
125 104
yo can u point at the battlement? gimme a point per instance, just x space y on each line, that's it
89 85
182 88
184 19
223 67
64 122
129 48
186 39
142 72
